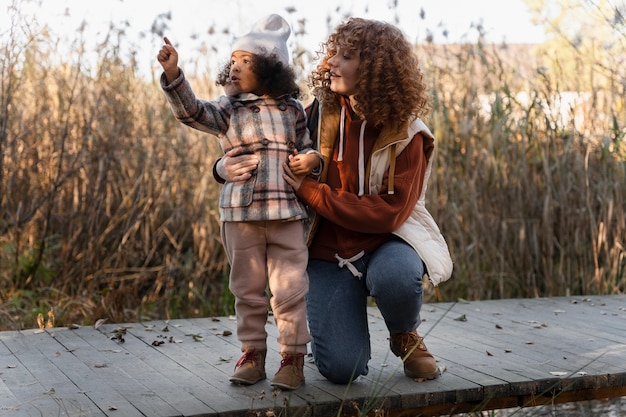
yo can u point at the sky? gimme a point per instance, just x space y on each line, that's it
190 20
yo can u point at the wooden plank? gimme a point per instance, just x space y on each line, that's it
82 361
488 365
41 387
140 372
192 371
9 403
569 329
536 352
502 389
507 402
571 313
226 352
540 346
321 397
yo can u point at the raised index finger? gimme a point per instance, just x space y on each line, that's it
167 41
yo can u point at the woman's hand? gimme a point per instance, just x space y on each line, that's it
235 166
292 179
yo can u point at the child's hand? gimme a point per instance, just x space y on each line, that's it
168 58
303 164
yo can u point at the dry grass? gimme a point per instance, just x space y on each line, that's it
108 208
530 192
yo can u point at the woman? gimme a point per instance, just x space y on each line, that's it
372 235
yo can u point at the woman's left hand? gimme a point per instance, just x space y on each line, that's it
292 179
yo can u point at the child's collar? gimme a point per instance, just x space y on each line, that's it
248 97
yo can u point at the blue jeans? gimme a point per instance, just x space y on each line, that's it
337 306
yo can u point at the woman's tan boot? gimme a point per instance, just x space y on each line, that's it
250 368
291 373
418 362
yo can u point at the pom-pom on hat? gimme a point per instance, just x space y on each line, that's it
268 36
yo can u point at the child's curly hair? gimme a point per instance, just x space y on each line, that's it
390 87
276 80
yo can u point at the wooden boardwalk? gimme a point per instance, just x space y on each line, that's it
494 354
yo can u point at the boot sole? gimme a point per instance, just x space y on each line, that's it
429 377
239 381
285 386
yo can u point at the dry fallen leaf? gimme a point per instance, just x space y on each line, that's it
462 317
99 323
50 323
195 337
119 334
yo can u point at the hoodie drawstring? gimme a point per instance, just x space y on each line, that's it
348 263
342 126
361 161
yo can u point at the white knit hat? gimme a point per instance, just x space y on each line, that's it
268 36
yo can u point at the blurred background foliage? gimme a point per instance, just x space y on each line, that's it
108 208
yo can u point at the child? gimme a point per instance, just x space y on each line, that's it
262 220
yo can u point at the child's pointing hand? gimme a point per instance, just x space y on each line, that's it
168 58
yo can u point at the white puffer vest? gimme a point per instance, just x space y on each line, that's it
420 230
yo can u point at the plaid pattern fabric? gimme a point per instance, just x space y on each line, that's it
269 128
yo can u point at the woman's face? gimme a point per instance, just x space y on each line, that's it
243 80
344 72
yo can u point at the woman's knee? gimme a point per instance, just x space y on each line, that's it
341 372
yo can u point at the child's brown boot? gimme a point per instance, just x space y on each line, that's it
291 373
418 362
250 368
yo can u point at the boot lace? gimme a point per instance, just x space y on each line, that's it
248 356
417 341
408 342
286 361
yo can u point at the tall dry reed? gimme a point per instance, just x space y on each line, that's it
531 178
108 208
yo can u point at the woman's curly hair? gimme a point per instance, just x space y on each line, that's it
390 88
276 79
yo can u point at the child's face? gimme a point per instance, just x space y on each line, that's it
243 80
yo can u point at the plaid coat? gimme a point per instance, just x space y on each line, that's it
269 128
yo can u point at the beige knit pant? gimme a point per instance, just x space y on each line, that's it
274 253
